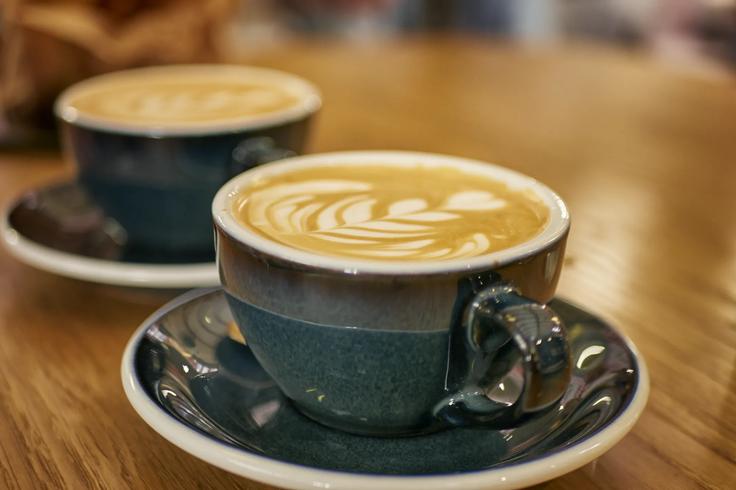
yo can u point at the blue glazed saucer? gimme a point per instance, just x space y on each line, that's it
190 377
58 229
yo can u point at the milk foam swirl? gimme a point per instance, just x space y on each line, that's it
178 98
194 101
380 218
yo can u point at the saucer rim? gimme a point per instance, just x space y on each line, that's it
299 477
128 274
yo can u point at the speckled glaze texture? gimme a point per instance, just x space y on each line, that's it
159 188
347 377
189 366
370 353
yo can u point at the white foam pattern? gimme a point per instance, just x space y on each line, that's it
345 217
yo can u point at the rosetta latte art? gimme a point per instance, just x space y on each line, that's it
432 215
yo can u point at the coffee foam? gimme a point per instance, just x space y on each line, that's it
390 213
184 98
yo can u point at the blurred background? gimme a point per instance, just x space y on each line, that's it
47 45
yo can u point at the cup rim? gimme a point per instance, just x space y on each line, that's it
309 103
556 227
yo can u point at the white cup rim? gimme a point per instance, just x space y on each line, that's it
556 228
310 101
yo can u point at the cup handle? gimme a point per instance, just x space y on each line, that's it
255 151
505 338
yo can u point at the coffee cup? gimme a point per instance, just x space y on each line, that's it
398 293
153 145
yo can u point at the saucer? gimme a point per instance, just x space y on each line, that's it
187 374
58 229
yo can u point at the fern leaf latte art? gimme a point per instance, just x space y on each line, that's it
384 212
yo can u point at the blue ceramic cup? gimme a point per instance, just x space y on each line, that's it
398 348
156 173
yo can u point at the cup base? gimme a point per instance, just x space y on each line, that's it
338 423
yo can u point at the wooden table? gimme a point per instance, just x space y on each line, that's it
645 156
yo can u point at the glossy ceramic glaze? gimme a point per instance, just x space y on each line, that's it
377 347
59 229
157 182
192 381
160 188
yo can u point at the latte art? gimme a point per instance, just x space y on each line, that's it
188 96
188 100
390 213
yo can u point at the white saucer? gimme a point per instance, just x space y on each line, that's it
38 248
205 392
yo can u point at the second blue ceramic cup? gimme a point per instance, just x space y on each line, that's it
158 180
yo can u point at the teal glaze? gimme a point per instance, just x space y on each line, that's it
159 188
399 348
365 380
402 354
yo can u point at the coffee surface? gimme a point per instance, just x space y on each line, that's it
385 212
179 97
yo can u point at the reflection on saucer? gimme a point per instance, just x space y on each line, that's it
233 332
63 217
60 230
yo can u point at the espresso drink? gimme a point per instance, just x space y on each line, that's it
390 212
186 95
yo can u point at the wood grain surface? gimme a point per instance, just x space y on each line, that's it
644 154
